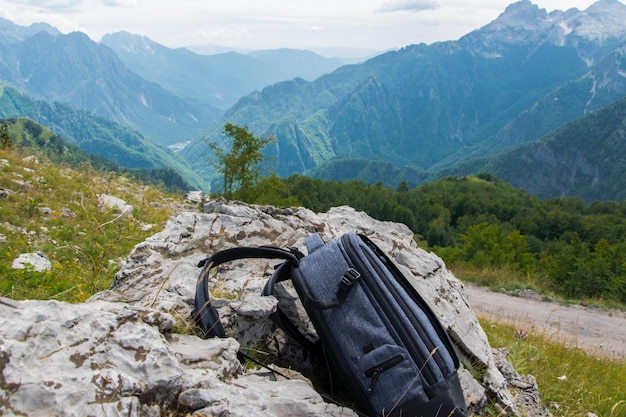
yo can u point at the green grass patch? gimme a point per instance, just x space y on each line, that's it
572 382
55 209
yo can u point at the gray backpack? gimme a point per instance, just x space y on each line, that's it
392 354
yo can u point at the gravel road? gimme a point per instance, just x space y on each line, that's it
598 331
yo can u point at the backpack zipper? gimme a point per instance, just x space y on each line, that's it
393 315
375 371
438 356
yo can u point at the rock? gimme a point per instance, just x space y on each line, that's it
196 197
65 212
31 159
46 211
24 185
523 387
255 395
108 202
99 359
117 354
4 193
37 261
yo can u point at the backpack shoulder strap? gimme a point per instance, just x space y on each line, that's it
283 273
205 315
280 318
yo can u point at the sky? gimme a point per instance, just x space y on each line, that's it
374 25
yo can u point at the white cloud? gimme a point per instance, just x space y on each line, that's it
119 3
224 34
408 5
55 5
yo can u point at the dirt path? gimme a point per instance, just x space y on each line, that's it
598 331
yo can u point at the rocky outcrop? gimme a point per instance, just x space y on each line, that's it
130 350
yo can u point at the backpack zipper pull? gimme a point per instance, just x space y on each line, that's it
375 371
375 374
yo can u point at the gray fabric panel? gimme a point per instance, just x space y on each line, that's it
417 312
313 243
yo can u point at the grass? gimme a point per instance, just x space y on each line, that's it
55 210
496 278
572 382
503 279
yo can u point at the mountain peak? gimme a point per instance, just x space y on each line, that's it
523 9
11 31
127 42
524 21
603 19
521 21
604 6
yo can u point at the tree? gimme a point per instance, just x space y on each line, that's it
5 138
240 166
403 187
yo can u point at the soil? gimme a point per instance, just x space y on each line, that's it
601 332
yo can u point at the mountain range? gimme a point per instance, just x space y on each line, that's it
75 70
220 79
430 106
414 114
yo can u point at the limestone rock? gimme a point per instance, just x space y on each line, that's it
523 387
196 197
124 352
38 261
108 202
161 272
4 193
99 359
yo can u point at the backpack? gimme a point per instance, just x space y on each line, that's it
393 355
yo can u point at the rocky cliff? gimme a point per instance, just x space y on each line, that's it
130 350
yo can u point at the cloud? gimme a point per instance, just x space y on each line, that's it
408 5
224 33
51 4
119 3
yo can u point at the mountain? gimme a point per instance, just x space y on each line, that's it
94 134
218 79
585 158
12 33
429 106
33 138
75 70
297 63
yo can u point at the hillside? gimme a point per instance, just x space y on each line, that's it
585 158
94 134
29 136
428 106
80 220
141 322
